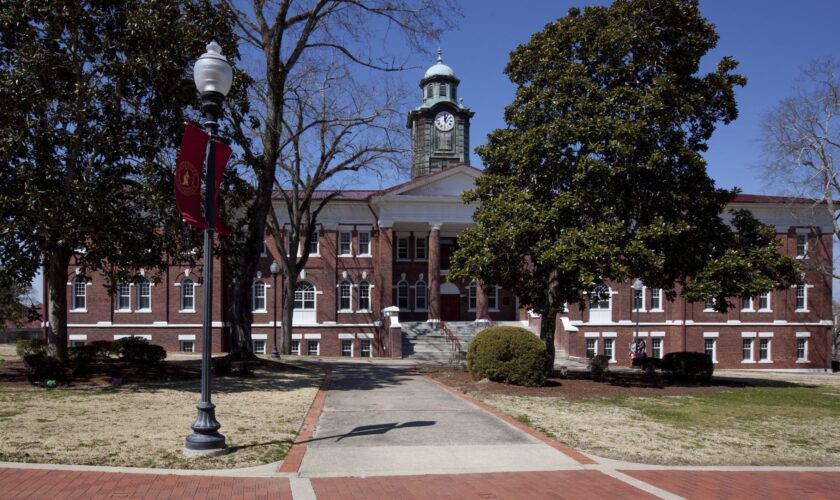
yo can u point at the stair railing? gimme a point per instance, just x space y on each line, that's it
457 354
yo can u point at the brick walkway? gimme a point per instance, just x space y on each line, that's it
743 484
60 484
509 485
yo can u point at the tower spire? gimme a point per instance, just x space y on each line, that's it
440 55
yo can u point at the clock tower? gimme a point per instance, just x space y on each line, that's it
440 126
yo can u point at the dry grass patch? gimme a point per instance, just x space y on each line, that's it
144 425
775 422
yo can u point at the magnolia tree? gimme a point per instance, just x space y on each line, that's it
599 174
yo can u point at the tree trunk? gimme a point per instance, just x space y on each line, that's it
56 269
548 322
240 320
288 312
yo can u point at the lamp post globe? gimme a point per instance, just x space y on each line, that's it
213 77
637 287
275 270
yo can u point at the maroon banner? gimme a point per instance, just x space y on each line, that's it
188 175
223 153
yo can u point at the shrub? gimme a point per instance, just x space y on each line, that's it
101 348
598 366
693 366
40 367
137 350
509 355
26 347
650 365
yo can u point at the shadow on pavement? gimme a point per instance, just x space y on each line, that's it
371 430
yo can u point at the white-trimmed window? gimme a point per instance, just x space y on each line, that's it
364 243
764 350
345 296
402 248
473 296
442 90
296 347
639 299
79 293
591 348
710 348
259 296
365 349
600 298
655 299
259 346
345 244
709 305
364 296
802 346
656 346
144 295
347 348
420 295
305 296
764 302
747 350
123 293
609 349
313 347
314 249
492 297
186 345
801 298
187 295
402 295
77 343
420 248
746 303
801 246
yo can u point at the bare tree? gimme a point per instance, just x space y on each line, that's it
313 117
801 139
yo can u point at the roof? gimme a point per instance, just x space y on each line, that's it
439 69
761 198
343 194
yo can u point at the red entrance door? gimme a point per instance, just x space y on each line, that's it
450 307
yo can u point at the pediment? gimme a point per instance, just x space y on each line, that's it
453 181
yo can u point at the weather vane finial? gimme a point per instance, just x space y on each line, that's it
440 55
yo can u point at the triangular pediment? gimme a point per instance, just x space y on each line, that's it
453 181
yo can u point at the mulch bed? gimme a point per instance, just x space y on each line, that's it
580 385
103 374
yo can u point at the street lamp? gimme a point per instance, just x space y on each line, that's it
275 270
213 76
637 290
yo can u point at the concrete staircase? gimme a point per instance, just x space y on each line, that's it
421 342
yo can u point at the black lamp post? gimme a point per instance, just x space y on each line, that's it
213 76
637 291
275 270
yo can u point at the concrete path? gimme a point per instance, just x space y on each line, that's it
385 420
383 432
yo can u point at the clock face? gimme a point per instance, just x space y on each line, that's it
444 121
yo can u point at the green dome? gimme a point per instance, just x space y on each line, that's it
439 69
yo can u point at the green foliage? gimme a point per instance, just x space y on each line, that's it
80 358
101 349
94 96
598 366
14 306
509 355
599 174
689 366
41 367
137 350
25 347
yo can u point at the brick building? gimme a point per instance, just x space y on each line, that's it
390 248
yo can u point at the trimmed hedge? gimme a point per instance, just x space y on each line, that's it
509 355
137 350
598 366
40 368
692 366
25 347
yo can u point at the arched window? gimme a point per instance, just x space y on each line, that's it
430 91
600 304
420 295
305 296
364 296
187 295
79 293
259 296
144 294
473 296
402 295
123 293
345 295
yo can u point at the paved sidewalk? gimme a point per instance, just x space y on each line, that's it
380 431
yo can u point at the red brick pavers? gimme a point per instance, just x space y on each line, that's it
61 484
295 455
503 485
743 484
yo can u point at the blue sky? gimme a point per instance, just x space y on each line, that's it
772 40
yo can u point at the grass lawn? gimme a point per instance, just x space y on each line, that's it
772 422
144 424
